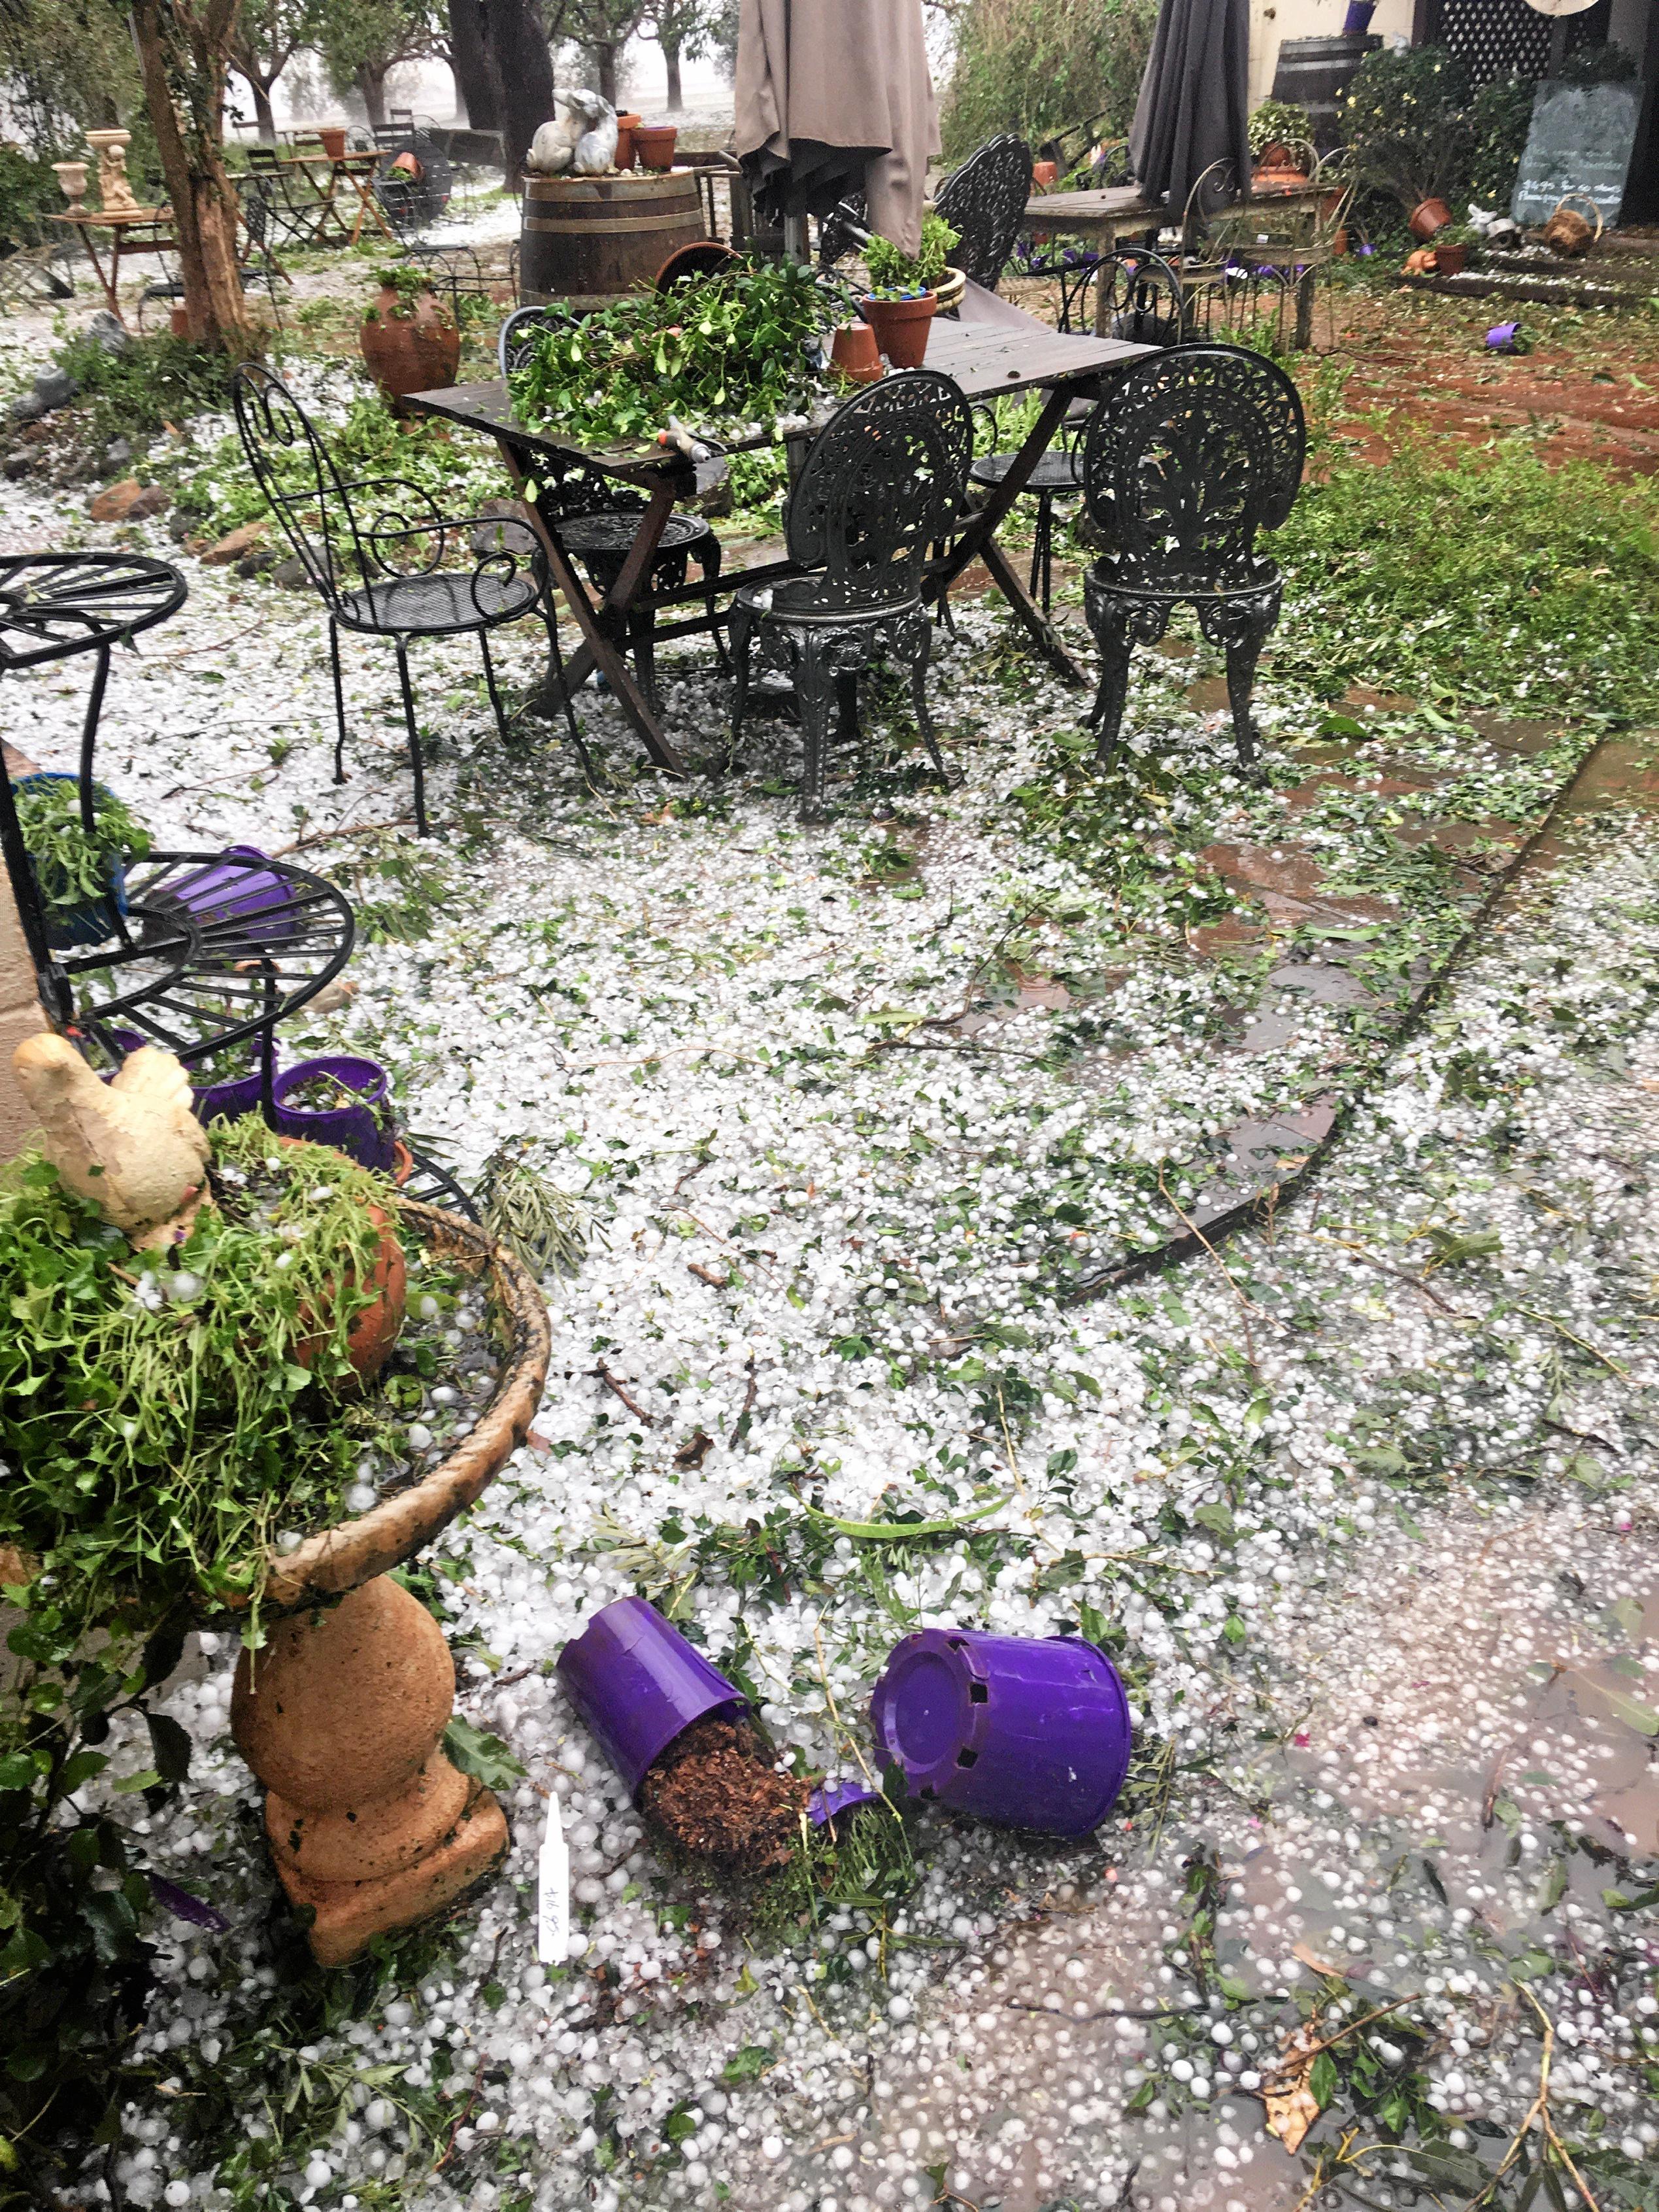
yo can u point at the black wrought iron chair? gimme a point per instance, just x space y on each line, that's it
882 480
596 520
375 549
195 951
985 201
1198 451
1143 302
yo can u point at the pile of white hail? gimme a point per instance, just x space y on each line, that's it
1363 1495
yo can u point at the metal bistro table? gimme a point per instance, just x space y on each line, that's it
1119 212
986 362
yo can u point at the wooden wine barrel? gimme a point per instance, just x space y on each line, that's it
1316 74
584 240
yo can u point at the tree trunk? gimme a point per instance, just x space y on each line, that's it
605 56
265 116
517 40
477 93
184 57
371 82
671 63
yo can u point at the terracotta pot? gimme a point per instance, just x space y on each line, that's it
653 144
1426 218
1339 238
1450 260
625 126
1045 175
901 327
418 351
333 136
854 353
1277 170
179 322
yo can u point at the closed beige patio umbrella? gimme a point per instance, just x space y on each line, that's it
834 97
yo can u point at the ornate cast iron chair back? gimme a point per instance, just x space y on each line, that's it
1193 453
985 201
884 479
306 491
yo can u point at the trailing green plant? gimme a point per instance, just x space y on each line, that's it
730 349
1278 123
895 275
864 1863
163 1415
1501 115
411 282
546 1226
1035 66
1405 119
71 867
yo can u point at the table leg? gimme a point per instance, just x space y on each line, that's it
1305 310
108 282
977 540
597 650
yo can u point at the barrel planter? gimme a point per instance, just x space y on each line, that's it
586 239
1315 74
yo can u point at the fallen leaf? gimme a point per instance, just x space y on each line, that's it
539 1444
1306 1952
694 1450
1293 2108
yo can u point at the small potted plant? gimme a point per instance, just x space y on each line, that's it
1280 141
1453 245
905 291
410 339
82 877
654 144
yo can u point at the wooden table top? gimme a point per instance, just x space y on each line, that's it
1123 204
113 218
984 361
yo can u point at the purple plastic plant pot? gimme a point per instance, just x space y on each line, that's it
358 1130
830 1800
1501 338
637 1683
228 1100
1030 1732
240 885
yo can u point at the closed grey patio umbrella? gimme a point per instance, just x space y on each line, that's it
1194 106
833 97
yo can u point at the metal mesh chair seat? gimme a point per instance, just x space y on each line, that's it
1056 472
802 600
430 606
1186 586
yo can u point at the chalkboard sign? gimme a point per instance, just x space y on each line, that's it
1580 141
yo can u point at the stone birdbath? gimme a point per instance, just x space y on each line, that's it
342 1713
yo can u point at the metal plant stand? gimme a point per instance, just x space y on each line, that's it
210 948
1198 449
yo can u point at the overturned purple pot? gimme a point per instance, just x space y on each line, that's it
240 885
637 1683
360 1128
1030 1732
831 1800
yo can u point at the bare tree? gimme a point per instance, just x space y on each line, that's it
602 28
266 35
683 29
362 41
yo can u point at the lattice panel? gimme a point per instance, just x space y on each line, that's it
1506 37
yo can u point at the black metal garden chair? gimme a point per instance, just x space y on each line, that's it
882 480
596 520
1143 302
375 549
1194 452
985 201
196 952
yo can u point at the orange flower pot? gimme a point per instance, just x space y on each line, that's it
333 136
653 144
625 126
854 353
1426 218
901 327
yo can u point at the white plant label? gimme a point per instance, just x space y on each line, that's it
552 1885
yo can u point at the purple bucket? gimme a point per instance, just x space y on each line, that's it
239 886
357 1130
637 1683
1030 1732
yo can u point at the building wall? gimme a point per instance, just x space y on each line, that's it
1308 19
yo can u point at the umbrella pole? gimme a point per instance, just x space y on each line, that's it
795 239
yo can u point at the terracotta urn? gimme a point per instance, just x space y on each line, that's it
1426 218
72 177
411 345
901 327
653 144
